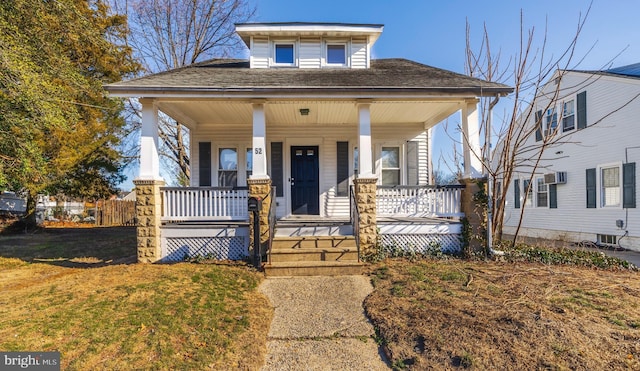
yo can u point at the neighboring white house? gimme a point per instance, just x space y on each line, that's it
586 183
310 110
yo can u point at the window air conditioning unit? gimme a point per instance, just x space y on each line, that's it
559 177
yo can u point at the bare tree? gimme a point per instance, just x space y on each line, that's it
167 34
527 71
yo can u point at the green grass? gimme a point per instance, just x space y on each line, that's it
127 316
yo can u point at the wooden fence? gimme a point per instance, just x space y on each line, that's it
111 213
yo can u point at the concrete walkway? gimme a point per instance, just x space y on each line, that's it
319 324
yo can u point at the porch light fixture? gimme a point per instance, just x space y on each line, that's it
304 111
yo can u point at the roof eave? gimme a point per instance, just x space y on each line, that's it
307 92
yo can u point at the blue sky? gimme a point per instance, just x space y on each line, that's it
433 32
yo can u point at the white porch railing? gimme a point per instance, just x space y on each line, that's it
426 201
204 203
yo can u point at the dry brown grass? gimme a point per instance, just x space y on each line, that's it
438 314
72 291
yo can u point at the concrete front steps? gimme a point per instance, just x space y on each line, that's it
313 256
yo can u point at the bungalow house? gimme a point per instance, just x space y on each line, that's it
585 186
334 144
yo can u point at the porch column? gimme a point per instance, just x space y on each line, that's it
365 150
474 211
148 183
149 158
259 142
365 185
471 141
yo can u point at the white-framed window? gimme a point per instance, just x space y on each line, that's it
568 115
390 159
227 167
542 193
610 186
284 53
336 54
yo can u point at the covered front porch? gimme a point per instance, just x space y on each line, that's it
215 222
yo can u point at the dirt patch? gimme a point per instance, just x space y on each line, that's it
486 315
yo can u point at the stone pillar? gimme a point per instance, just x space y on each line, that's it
148 211
365 192
475 211
260 188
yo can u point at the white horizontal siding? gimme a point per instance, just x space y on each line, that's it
325 137
423 158
310 52
260 52
611 135
359 53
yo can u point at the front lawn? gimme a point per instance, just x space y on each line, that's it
448 314
76 292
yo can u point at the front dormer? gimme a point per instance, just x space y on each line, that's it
309 45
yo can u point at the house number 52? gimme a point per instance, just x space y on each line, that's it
258 151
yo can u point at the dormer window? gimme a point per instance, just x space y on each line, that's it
284 54
336 54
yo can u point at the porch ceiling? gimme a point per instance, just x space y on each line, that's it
214 112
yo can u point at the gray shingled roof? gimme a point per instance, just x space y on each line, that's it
385 75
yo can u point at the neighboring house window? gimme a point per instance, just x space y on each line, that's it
284 54
337 54
573 115
617 186
610 186
542 193
249 162
390 165
227 167
568 116
551 120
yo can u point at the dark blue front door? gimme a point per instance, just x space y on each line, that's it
304 180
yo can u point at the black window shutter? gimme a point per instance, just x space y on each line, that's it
538 126
516 193
277 168
342 169
412 163
582 110
204 167
629 185
553 196
591 188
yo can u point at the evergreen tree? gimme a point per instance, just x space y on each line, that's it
58 128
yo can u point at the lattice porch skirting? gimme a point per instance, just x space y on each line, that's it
219 248
422 243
